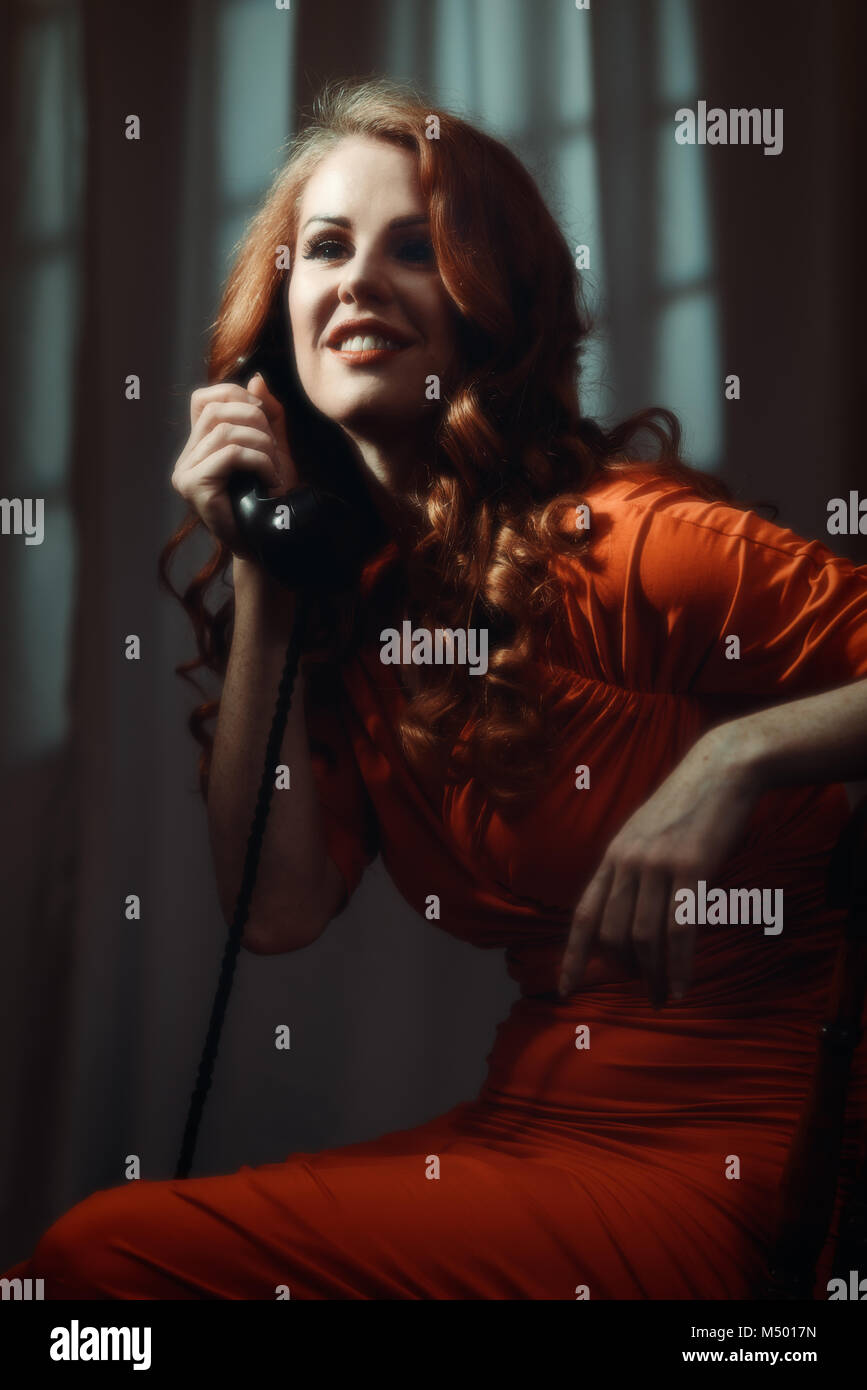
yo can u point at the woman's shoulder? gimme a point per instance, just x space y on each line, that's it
634 494
670 528
672 574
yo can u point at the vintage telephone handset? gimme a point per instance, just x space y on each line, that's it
311 541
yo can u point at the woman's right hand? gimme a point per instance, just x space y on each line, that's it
233 430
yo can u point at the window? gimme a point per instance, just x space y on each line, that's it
547 79
42 327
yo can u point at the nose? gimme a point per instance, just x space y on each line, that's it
365 279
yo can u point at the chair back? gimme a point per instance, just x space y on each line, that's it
808 1188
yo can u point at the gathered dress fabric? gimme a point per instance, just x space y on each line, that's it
614 1151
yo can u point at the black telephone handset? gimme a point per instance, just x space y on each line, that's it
307 539
310 539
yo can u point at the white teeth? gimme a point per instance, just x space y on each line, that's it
365 344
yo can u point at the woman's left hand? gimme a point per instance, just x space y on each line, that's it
685 831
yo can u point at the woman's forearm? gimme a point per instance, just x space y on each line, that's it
297 887
817 739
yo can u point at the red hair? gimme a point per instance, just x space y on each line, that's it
513 451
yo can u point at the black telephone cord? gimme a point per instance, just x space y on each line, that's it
245 892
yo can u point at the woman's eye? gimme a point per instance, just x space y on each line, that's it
419 250
315 249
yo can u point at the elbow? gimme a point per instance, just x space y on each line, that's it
268 938
278 929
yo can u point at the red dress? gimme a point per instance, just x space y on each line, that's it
605 1170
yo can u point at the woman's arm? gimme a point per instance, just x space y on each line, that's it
695 820
821 738
298 887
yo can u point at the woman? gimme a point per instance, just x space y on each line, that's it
670 701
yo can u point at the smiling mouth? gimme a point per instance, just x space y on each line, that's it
360 349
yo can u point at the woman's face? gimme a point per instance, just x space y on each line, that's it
363 267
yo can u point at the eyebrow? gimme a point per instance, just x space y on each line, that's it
414 219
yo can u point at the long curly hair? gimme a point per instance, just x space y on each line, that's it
513 452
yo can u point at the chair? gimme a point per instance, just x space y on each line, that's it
808 1187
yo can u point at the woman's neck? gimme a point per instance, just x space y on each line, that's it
395 476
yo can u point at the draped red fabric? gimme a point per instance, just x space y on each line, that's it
613 1151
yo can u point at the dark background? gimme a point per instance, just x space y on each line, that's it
703 263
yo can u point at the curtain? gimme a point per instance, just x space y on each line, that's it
116 249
